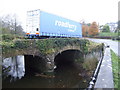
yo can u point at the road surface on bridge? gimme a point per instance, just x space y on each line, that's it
114 45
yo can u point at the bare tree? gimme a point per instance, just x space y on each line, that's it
10 22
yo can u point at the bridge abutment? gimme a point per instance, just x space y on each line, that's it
34 64
50 62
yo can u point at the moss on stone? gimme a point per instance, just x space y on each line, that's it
48 46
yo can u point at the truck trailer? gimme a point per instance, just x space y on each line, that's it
43 24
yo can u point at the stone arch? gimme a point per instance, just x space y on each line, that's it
66 57
51 57
68 47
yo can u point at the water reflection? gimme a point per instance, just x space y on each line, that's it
65 77
74 75
13 67
71 76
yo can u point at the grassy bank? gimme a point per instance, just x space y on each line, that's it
109 34
116 69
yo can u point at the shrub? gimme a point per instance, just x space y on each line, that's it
7 37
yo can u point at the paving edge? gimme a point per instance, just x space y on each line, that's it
105 75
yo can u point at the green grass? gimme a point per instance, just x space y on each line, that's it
116 69
117 40
108 34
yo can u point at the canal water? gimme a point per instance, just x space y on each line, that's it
74 75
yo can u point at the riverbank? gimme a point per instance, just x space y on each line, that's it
116 69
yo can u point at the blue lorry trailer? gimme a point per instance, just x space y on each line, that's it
43 24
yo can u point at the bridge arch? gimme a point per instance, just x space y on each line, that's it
49 49
68 57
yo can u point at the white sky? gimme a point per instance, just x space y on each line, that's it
101 11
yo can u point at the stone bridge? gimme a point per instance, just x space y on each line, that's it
48 49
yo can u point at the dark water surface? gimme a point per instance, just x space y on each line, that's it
67 76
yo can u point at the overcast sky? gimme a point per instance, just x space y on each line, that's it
101 11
